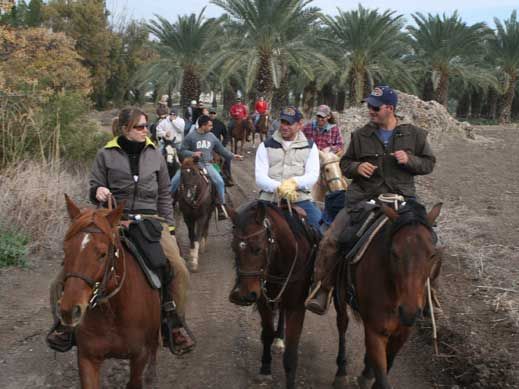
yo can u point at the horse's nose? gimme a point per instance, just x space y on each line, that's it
252 297
408 318
76 313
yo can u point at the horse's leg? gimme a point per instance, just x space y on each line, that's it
294 325
366 376
89 370
137 366
279 338
376 349
342 326
396 341
193 239
267 337
151 369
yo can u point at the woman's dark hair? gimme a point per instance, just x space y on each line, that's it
116 129
332 119
129 117
203 120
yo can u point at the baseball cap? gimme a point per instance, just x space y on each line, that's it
382 94
291 115
212 110
173 112
323 110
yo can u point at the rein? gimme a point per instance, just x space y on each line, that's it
196 204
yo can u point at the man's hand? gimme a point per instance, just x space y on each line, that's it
288 190
366 169
197 154
102 194
238 157
401 157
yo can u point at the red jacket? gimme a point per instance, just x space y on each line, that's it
261 106
239 111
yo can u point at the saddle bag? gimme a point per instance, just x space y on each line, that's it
145 234
361 217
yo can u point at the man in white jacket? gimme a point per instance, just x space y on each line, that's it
171 128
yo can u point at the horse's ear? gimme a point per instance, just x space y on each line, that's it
114 216
233 215
73 210
434 213
390 212
261 212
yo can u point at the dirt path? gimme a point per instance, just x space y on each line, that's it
229 347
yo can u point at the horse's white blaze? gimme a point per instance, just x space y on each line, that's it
84 242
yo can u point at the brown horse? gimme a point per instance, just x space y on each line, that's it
240 133
388 288
196 200
262 127
274 259
106 298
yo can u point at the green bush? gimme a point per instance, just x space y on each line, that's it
13 248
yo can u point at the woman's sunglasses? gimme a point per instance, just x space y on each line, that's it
141 127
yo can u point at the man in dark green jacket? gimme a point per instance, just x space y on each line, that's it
383 157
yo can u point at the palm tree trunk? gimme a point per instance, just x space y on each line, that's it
442 92
356 87
341 100
229 96
506 112
309 94
280 97
428 89
264 81
190 89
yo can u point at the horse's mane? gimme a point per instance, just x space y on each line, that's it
88 217
189 163
412 213
248 211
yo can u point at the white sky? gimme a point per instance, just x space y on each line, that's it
470 10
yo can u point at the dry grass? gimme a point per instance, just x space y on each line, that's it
32 201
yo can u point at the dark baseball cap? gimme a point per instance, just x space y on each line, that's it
212 110
173 112
291 115
381 95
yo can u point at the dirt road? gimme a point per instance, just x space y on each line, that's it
229 347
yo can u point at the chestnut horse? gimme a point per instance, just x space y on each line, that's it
388 285
197 203
240 132
331 178
262 127
274 261
106 298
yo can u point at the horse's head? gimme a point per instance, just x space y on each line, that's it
412 256
90 248
252 245
331 171
191 179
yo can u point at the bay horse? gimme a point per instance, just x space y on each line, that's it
389 285
196 199
274 260
331 178
240 133
262 127
106 299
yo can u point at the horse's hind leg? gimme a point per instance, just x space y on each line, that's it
267 337
279 338
137 366
294 325
89 372
342 326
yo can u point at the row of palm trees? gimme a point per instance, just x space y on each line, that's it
274 47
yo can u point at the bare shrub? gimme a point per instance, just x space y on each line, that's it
32 201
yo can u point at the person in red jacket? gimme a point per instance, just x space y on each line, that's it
261 108
239 111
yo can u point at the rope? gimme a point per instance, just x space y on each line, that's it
433 320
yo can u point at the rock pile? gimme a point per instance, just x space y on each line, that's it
429 115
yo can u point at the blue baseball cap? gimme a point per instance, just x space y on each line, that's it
381 95
291 115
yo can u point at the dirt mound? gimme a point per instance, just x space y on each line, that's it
429 115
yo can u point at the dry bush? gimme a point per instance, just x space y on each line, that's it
32 201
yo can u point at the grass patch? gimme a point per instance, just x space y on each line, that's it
13 248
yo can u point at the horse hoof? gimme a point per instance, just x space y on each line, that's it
263 378
193 267
345 382
278 346
364 383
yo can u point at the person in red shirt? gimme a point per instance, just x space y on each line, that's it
261 108
238 111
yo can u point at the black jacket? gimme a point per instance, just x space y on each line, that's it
390 176
220 131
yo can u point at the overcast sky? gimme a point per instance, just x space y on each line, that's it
470 10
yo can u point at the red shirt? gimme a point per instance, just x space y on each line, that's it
323 138
239 111
261 106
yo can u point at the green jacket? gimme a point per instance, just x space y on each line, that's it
390 176
151 192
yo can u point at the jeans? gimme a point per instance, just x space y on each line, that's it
313 214
213 174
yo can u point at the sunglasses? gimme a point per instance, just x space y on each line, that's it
141 127
373 108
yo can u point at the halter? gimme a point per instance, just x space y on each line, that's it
323 176
263 273
198 200
99 289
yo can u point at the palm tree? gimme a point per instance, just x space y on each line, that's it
370 47
186 44
267 37
505 50
445 47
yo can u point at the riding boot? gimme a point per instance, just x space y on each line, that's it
60 338
222 212
319 299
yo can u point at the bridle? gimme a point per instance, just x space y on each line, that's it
204 188
263 273
323 176
99 288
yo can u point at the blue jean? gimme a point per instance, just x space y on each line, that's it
213 174
313 214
